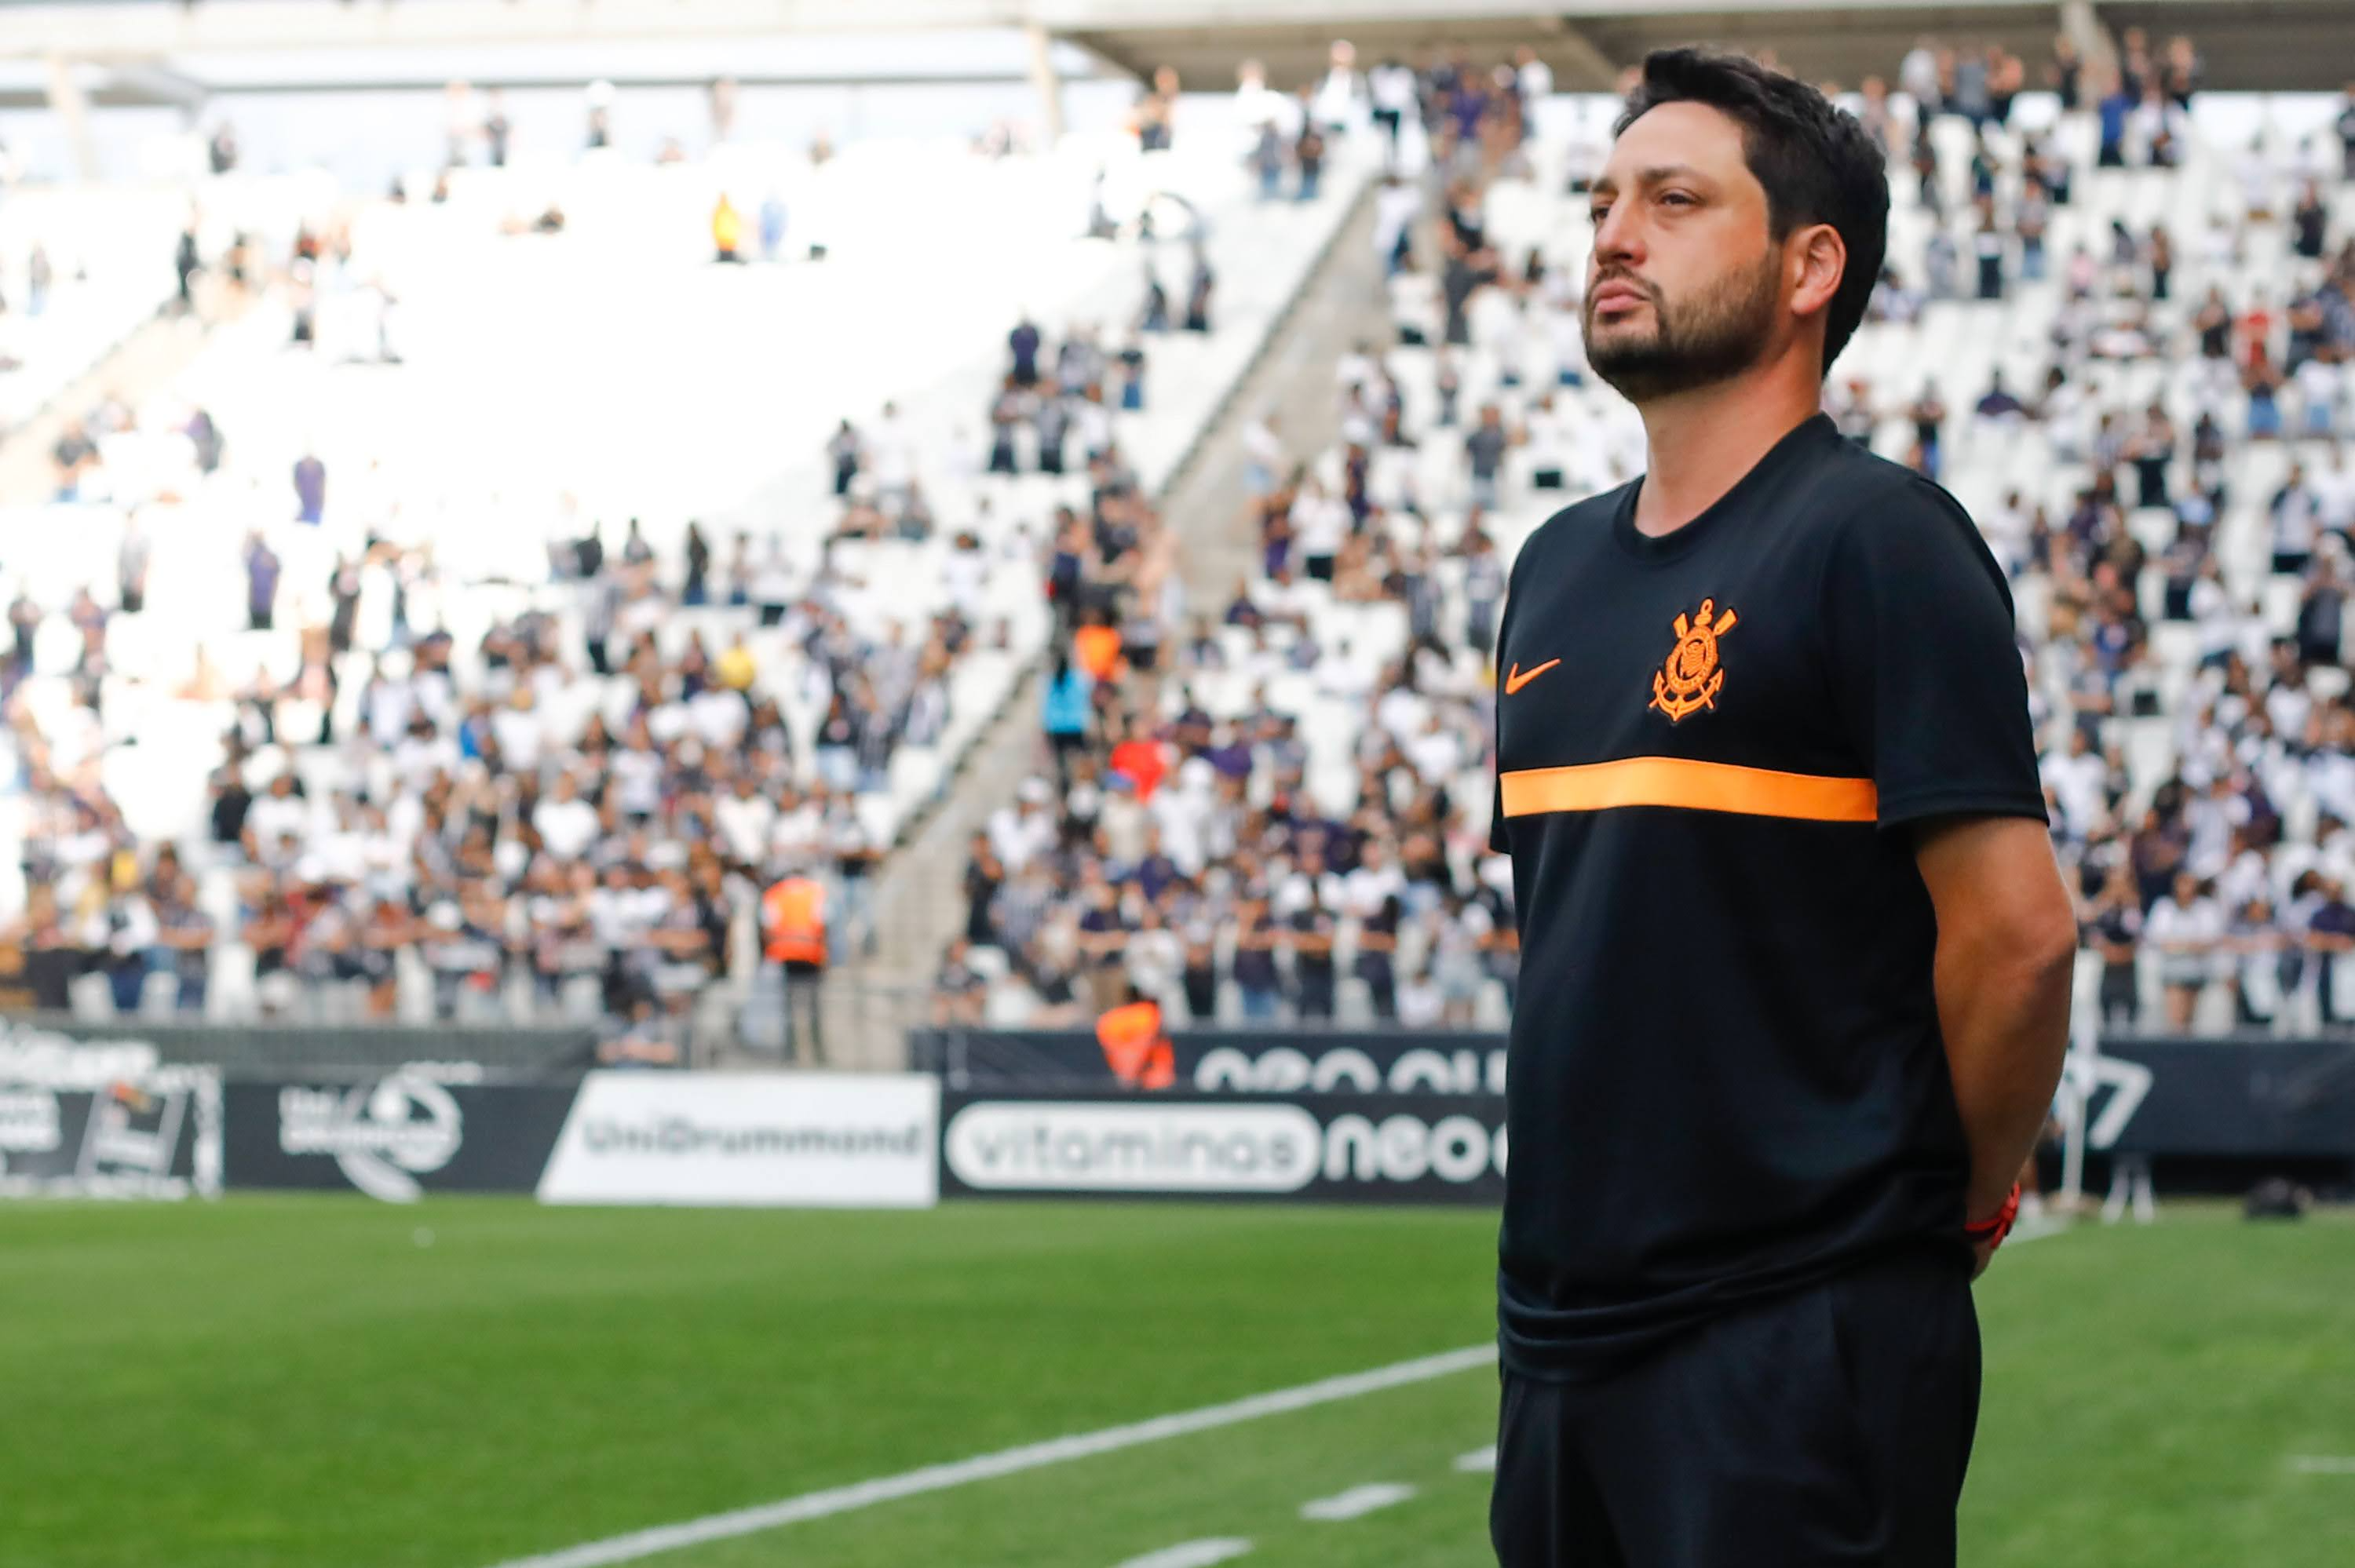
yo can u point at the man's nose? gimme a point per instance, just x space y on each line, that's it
1618 237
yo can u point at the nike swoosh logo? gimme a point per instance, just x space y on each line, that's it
1515 680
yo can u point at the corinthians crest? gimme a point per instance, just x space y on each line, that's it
1690 680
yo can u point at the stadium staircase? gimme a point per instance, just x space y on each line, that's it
920 899
149 357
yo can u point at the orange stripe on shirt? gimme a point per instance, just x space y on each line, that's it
1694 786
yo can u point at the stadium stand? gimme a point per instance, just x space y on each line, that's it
380 718
2138 388
350 681
78 272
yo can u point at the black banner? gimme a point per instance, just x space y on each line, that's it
1234 1061
349 1054
2236 1099
1353 1148
395 1137
2250 1098
158 1138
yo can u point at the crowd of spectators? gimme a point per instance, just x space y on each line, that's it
565 829
572 815
562 819
2229 867
1177 849
1186 853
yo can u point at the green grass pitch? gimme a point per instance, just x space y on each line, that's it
268 1382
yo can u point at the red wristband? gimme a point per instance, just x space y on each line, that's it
1990 1231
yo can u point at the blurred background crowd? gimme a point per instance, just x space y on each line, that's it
348 682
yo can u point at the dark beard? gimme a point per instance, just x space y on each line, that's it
1702 342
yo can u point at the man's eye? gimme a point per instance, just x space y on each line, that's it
1676 199
1597 214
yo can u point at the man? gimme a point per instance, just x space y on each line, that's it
792 912
310 489
74 454
1135 1047
1023 343
2345 126
1797 952
959 990
1999 403
1484 454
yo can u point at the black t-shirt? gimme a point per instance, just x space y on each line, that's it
1374 964
1726 1073
1487 446
2118 926
2309 220
50 973
1306 964
1255 967
229 812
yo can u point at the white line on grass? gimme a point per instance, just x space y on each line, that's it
2323 1464
1193 1554
663 1537
1479 1460
1357 1500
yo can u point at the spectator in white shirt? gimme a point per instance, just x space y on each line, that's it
566 823
1319 524
1397 204
1257 104
2319 383
1339 93
280 812
1155 957
519 730
1534 77
745 820
1024 830
1375 879
891 459
2080 779
2334 493
1264 454
2185 927
2295 513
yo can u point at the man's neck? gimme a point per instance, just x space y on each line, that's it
1701 443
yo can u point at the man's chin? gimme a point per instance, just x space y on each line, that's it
1636 369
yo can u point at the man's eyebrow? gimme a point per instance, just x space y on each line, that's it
1658 174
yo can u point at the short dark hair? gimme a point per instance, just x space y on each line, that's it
1815 161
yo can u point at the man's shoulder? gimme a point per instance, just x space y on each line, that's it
1578 522
1848 485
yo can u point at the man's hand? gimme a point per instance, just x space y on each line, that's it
1987 1231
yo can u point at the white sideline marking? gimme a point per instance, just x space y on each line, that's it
2323 1464
1193 1554
1357 1500
1479 1460
663 1537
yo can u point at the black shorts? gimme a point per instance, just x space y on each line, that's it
1829 1425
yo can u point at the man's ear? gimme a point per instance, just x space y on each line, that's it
1816 259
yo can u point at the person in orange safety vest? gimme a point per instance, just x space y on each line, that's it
1134 1045
793 920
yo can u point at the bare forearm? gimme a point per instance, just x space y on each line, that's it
2005 1016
